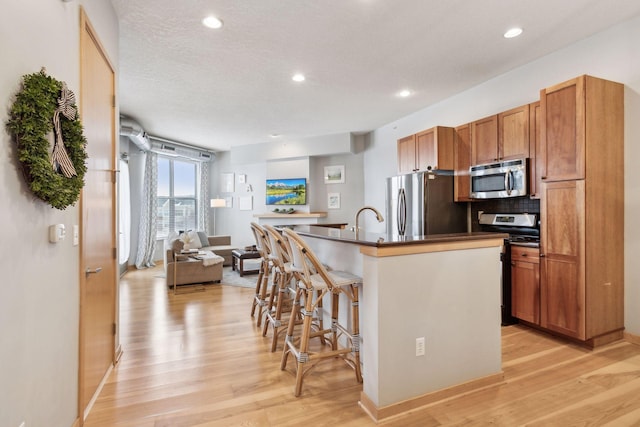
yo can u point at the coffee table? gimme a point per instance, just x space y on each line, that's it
237 260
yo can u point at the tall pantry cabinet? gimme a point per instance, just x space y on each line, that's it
582 209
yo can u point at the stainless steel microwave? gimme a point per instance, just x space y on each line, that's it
506 178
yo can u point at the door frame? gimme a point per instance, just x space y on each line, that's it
85 402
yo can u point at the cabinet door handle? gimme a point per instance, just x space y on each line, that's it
543 177
542 255
523 254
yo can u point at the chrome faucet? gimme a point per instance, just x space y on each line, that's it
378 216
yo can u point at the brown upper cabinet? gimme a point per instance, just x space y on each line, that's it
501 137
513 133
562 151
432 148
462 163
407 154
484 140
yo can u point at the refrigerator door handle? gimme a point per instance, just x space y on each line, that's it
402 211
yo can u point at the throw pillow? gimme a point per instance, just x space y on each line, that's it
204 240
191 240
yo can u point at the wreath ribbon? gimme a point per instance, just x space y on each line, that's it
59 156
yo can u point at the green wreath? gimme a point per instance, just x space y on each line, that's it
57 182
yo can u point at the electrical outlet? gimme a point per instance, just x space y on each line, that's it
420 346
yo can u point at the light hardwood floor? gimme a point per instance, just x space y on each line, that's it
197 359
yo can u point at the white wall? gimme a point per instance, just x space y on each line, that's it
236 223
613 54
39 302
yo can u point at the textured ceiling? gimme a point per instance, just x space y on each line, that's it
221 88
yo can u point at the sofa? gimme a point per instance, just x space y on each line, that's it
191 270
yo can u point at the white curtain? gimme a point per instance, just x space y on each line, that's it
124 214
203 198
148 214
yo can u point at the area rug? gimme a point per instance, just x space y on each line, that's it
230 277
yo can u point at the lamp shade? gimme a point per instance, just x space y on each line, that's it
218 203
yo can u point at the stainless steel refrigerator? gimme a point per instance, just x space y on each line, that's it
422 203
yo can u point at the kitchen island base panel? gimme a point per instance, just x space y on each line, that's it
450 298
444 289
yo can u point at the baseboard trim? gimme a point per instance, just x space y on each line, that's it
399 409
633 339
97 393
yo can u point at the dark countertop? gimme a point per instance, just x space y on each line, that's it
386 240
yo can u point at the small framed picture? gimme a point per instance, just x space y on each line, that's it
245 203
227 183
334 174
333 201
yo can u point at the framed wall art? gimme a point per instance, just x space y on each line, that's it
334 174
226 182
333 201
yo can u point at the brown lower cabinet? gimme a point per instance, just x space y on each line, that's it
525 283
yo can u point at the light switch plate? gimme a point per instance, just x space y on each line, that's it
76 235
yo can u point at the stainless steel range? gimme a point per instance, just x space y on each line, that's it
524 230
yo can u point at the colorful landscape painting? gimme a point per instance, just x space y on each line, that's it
290 191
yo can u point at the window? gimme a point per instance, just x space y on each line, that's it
177 196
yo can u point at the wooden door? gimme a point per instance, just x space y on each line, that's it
525 284
562 131
98 291
484 140
513 133
462 163
563 251
407 154
534 147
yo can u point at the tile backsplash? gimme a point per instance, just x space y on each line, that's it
508 205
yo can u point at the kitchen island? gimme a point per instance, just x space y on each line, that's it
443 288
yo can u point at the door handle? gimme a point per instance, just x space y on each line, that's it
89 271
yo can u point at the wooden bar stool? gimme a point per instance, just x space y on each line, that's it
283 288
262 283
313 277
281 291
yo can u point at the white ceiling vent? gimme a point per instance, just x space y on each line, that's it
176 149
131 129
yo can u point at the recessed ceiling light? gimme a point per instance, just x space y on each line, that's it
212 22
513 32
274 135
298 77
404 93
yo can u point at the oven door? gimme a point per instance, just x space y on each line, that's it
499 180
